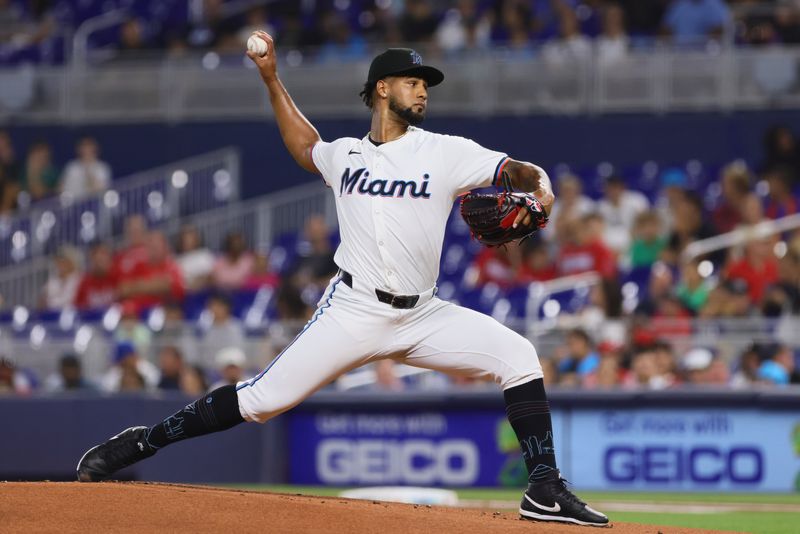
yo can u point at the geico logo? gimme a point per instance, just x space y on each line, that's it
413 461
702 464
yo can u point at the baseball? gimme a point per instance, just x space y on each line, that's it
257 45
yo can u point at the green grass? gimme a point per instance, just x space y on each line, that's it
752 521
514 494
733 498
755 522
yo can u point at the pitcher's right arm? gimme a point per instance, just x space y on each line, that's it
298 134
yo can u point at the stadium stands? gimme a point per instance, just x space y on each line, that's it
537 308
342 30
644 289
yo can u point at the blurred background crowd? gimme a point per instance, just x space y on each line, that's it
35 176
184 315
661 270
35 30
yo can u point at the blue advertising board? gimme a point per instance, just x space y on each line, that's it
654 449
686 449
475 448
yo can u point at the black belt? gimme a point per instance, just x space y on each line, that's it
395 301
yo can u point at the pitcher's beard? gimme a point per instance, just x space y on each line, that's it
407 114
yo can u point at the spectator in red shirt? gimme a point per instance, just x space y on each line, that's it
156 282
758 267
736 182
537 266
671 318
134 253
98 287
584 250
498 265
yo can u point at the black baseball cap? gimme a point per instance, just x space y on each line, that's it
402 62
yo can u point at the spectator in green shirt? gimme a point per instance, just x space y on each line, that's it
693 289
648 239
39 178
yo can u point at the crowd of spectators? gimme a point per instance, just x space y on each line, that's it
344 29
626 238
35 176
175 326
614 338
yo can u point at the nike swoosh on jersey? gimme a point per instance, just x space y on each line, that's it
353 152
555 508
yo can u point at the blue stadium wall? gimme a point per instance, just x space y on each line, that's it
548 140
746 441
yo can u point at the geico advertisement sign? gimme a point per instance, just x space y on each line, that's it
658 464
385 461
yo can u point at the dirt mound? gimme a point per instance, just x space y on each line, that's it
140 507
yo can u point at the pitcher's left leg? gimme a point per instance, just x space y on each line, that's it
456 340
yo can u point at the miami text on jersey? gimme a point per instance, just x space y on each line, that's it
358 181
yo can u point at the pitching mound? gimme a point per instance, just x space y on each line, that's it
138 507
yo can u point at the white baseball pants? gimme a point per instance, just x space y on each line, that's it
351 328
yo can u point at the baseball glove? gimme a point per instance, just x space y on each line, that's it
490 217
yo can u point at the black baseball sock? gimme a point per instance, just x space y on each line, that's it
529 414
218 410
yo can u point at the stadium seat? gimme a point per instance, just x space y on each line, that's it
640 276
242 301
643 177
194 304
481 298
518 300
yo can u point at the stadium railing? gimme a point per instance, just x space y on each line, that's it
163 194
263 219
742 235
260 220
658 79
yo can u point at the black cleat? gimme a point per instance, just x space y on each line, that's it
124 449
550 500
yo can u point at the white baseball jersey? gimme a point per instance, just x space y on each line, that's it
393 201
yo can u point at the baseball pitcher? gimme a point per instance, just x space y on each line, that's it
394 190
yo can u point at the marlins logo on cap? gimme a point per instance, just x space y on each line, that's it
403 62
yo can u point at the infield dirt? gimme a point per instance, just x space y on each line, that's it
67 507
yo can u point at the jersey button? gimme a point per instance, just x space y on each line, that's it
380 243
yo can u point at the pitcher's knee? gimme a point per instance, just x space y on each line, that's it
259 406
523 367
